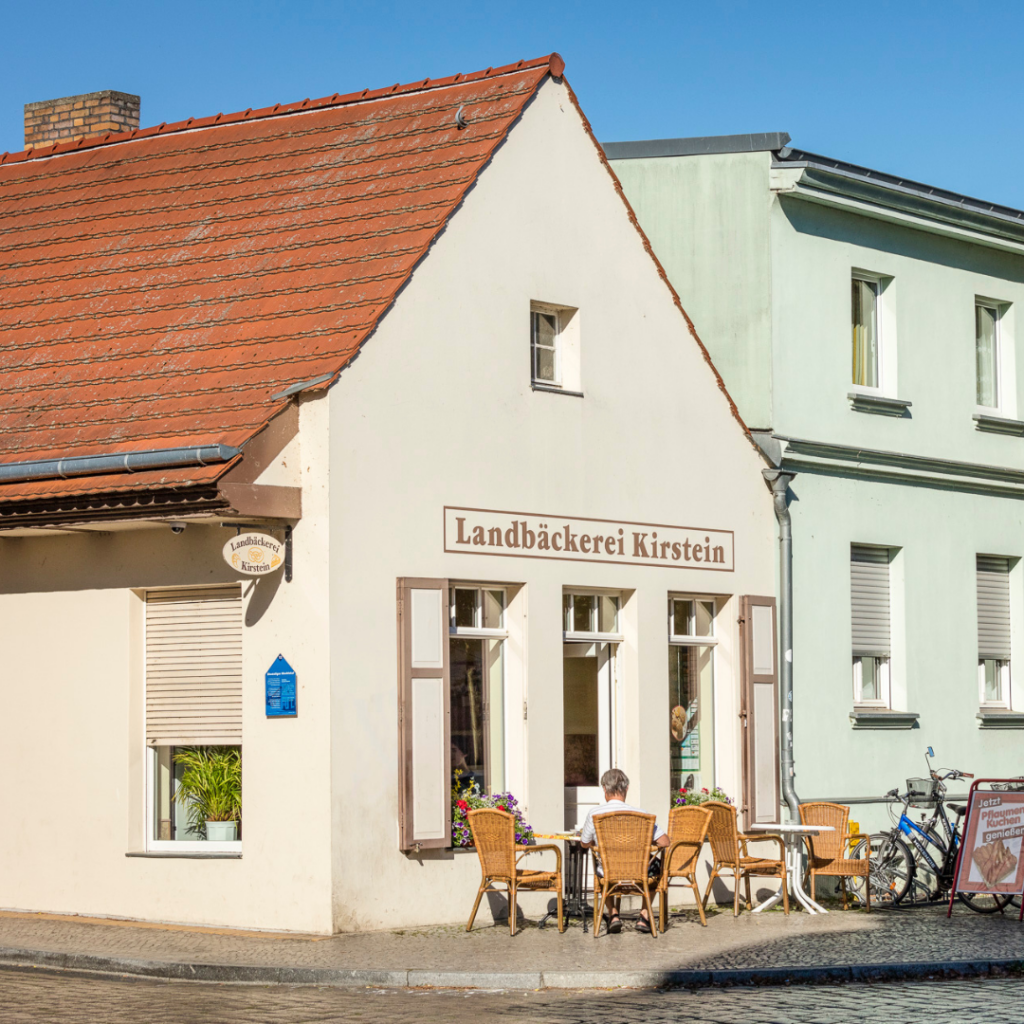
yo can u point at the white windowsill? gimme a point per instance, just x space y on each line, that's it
876 402
875 717
183 848
188 854
592 638
554 389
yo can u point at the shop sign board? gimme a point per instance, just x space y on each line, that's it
254 554
990 856
280 689
478 531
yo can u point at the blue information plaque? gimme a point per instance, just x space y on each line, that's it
281 690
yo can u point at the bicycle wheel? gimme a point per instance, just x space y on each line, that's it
983 902
891 871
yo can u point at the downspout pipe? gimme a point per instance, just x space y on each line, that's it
122 462
779 482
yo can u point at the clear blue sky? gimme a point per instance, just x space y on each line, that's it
933 91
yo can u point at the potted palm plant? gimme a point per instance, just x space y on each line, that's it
210 789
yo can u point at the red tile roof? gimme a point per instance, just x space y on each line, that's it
159 287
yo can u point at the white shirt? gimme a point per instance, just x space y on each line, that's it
588 835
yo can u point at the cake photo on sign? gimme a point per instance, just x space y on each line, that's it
995 862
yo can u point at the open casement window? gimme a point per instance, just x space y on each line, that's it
870 614
986 354
866 340
993 576
476 648
424 714
691 693
759 711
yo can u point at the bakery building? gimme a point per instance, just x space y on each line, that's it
364 437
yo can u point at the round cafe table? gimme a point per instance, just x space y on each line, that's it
793 839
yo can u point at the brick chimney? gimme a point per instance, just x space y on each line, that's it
79 117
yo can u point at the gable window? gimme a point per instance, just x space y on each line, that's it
986 350
870 607
866 354
691 681
476 646
545 345
993 583
193 701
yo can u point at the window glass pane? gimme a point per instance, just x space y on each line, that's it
609 615
869 682
580 721
691 731
496 714
494 609
993 681
865 333
467 709
584 613
544 366
465 607
682 618
705 617
545 326
987 356
179 772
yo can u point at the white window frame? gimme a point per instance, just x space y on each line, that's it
883 666
996 308
477 630
880 335
149 789
593 635
546 310
691 639
1004 684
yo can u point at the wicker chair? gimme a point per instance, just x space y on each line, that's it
729 849
827 850
624 849
687 829
494 834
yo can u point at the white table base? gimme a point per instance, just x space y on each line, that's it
794 874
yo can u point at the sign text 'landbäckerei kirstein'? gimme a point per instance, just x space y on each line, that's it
480 531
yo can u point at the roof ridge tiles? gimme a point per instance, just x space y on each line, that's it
554 61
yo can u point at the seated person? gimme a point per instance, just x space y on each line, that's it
616 785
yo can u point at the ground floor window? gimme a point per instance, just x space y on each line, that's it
476 648
197 794
994 682
193 701
691 657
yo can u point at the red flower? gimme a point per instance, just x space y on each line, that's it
705 789
682 790
462 805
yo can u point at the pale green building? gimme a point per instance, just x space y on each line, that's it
866 327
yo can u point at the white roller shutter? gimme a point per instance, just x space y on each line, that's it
869 592
993 607
194 667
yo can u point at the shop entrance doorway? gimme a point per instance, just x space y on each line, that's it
588 725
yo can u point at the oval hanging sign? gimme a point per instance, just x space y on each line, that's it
254 554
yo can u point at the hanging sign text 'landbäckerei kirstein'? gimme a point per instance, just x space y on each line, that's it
478 531
254 554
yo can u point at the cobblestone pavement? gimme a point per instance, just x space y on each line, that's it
751 941
35 998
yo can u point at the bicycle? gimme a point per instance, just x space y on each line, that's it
914 863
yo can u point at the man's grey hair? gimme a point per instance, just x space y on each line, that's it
615 782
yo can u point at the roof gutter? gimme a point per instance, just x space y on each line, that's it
122 462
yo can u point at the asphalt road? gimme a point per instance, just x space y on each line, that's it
32 997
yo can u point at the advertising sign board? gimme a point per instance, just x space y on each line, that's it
990 857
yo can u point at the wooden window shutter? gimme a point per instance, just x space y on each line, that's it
869 599
194 667
993 607
424 715
760 711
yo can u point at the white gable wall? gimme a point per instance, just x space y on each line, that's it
438 410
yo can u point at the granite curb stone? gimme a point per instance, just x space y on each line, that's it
30 959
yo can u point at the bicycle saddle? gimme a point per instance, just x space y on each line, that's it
960 809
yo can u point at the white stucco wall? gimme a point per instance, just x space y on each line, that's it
438 410
71 730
